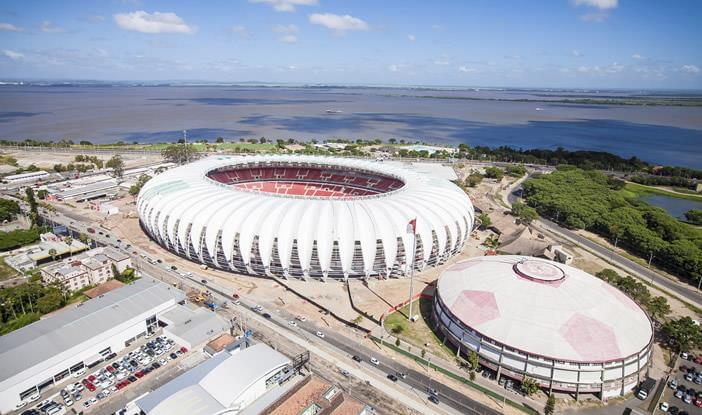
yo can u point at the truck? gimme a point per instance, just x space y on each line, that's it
645 388
211 305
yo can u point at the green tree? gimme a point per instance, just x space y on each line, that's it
473 360
683 334
179 153
658 307
69 241
33 212
550 407
474 179
42 194
525 213
117 165
84 238
397 342
494 173
530 386
516 170
136 187
51 301
53 253
219 140
694 216
115 272
485 221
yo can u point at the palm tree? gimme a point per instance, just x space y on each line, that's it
69 241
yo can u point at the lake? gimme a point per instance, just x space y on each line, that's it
673 205
108 113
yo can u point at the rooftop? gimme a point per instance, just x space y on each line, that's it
24 349
194 326
213 385
103 288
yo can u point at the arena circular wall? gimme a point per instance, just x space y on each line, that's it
554 323
306 216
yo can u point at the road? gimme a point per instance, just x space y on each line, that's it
416 381
685 292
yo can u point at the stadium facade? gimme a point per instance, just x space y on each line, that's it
554 323
305 216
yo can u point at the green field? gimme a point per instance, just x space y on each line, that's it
6 272
635 190
227 146
419 332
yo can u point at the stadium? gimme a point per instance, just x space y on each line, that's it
305 216
532 317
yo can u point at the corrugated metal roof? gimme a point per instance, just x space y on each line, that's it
25 348
213 385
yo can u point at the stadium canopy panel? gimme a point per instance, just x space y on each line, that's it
552 322
305 216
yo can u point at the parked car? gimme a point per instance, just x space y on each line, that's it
356 358
664 406
320 334
433 399
392 377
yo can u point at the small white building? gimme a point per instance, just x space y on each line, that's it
193 328
90 268
61 346
226 383
31 176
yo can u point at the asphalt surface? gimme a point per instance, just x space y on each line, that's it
690 295
420 382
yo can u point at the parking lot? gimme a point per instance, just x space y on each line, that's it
116 374
684 391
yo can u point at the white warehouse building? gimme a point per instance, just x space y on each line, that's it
63 345
305 216
568 330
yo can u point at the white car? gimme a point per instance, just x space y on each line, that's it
78 386
68 402
374 361
121 375
79 373
92 401
320 334
664 406
21 405
292 323
301 318
162 362
34 398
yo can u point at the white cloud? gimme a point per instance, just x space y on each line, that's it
690 69
614 68
466 69
288 39
286 5
442 62
9 27
411 38
292 67
156 22
393 68
48 27
240 30
637 56
288 32
598 4
576 53
337 22
15 56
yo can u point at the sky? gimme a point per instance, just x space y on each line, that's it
651 44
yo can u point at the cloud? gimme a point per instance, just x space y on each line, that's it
286 5
48 27
442 62
603 7
576 53
15 56
614 68
393 68
466 69
9 27
690 69
288 32
156 22
95 18
411 38
337 22
598 4
242 31
637 56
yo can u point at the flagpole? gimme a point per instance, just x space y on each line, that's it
414 256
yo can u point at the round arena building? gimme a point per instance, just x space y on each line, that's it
561 326
305 216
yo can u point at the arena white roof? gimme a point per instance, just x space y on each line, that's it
215 384
186 196
544 308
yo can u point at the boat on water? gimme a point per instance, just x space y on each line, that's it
333 111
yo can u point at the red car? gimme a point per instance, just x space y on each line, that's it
698 403
698 359
139 374
85 382
235 296
109 368
183 349
91 378
90 387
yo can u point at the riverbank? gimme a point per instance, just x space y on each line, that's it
635 190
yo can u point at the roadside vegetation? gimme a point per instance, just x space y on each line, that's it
589 200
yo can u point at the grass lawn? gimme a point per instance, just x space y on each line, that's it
267 147
6 271
419 332
635 190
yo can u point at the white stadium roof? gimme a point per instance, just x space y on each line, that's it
544 308
173 201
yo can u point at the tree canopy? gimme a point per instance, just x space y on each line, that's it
179 153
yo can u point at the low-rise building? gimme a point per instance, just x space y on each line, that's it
90 268
28 177
61 346
193 328
69 275
314 395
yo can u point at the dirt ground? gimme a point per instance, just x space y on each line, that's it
46 161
